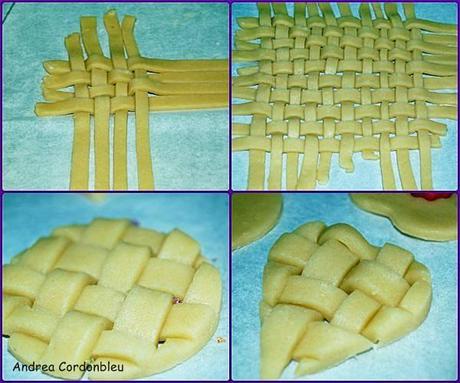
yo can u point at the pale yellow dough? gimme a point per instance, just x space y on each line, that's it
415 216
253 216
110 291
329 295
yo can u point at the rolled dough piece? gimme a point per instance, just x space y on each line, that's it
253 215
434 220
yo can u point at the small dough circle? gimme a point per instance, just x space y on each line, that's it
430 220
253 216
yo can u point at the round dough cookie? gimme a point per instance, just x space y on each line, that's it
124 301
253 216
430 216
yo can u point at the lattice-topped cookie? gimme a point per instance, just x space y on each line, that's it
329 295
325 85
117 85
110 292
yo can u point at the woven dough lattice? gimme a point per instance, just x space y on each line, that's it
116 86
329 295
110 292
326 85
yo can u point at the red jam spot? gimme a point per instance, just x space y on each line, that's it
431 196
176 300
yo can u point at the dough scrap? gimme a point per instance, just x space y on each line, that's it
329 295
323 85
253 216
120 85
415 216
111 292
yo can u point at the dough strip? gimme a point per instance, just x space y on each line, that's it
144 159
97 64
120 166
79 171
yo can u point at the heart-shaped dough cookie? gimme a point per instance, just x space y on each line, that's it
430 218
328 295
109 294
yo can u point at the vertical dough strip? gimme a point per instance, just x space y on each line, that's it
119 73
295 94
326 128
279 22
386 67
79 171
402 122
421 109
256 179
99 66
144 160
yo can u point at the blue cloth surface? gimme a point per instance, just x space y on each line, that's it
189 149
428 353
366 175
203 216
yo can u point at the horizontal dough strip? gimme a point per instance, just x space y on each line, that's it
371 80
433 52
153 86
425 43
159 88
317 128
446 54
173 77
310 66
338 53
344 22
150 65
350 95
331 145
398 109
118 103
64 80
157 65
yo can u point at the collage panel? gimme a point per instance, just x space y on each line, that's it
331 286
118 96
344 96
115 287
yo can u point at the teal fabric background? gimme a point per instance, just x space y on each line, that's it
428 353
204 216
366 175
189 149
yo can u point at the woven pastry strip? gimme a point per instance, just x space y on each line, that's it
325 85
110 292
127 82
329 295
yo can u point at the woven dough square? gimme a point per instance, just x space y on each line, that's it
321 84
